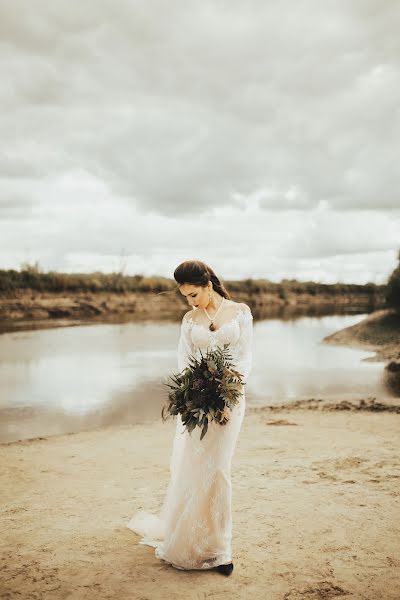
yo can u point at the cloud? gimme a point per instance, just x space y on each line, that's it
170 113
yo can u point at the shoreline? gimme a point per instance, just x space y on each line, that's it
379 332
28 309
346 337
353 336
369 405
365 335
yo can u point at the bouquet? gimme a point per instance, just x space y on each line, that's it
205 391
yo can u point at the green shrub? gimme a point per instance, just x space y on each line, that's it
31 277
393 288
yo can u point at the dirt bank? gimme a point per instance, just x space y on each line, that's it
379 333
29 309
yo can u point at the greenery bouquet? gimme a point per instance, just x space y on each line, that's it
204 391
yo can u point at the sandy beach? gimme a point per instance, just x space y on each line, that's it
316 511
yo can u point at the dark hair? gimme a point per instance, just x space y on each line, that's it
198 273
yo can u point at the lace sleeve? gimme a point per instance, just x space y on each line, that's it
185 345
245 343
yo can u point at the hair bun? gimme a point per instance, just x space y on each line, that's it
199 273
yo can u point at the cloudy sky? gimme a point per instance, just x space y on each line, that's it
260 137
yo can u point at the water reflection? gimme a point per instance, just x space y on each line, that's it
70 379
297 365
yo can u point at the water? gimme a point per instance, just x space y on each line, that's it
78 378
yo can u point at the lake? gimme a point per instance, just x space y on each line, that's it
71 379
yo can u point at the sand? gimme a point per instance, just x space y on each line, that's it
379 332
316 514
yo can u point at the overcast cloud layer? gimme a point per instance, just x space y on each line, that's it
260 137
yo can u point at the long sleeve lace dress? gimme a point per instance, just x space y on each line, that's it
193 529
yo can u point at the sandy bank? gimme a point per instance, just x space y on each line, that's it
315 511
378 332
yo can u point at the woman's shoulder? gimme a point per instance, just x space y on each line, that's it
188 315
243 307
239 305
244 312
188 318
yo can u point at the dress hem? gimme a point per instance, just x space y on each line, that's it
157 544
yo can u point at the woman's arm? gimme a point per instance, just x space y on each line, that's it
185 345
245 342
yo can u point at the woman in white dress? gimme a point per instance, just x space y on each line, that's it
193 529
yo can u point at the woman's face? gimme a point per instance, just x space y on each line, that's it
196 296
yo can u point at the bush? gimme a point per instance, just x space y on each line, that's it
32 277
393 288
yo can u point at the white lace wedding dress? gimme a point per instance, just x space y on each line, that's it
193 529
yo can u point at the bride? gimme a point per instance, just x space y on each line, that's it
193 529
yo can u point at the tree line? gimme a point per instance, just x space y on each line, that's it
31 277
393 288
